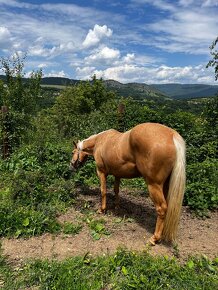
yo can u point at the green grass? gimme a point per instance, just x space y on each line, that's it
123 270
71 229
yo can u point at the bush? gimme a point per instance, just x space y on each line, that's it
38 188
18 220
201 192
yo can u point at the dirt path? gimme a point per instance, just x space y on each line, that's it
129 228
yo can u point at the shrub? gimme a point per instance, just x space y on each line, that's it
18 221
201 192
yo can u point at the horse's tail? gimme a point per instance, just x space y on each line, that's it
176 191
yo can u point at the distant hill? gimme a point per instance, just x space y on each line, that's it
187 91
135 90
140 90
58 81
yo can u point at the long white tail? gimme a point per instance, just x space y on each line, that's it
176 191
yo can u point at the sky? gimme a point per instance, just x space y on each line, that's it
158 41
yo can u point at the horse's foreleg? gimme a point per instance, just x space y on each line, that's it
157 196
103 182
116 191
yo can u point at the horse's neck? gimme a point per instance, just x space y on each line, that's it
89 144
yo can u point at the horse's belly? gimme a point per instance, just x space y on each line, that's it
128 170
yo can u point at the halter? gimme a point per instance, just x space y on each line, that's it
78 162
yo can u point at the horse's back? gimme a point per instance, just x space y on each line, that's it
151 135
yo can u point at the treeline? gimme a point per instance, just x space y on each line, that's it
35 183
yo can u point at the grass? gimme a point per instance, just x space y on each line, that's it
123 270
71 229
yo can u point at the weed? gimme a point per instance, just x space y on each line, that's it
71 229
176 250
97 228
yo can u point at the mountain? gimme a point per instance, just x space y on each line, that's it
135 90
139 90
58 81
53 81
187 91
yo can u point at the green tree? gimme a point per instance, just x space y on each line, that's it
17 93
75 103
20 98
214 61
211 116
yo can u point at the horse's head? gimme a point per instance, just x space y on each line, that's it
78 158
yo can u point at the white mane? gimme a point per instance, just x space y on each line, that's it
80 143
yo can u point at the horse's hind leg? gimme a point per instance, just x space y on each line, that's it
157 196
116 191
103 182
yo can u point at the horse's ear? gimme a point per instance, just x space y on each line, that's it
74 143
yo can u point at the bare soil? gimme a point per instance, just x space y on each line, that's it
130 227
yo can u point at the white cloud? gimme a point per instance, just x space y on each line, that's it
188 27
128 73
186 74
192 29
40 50
42 65
56 74
129 58
103 55
96 35
186 3
163 5
123 73
85 73
29 32
210 3
17 4
4 33
5 37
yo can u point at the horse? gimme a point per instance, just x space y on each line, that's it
149 150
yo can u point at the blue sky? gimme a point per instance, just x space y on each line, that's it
156 41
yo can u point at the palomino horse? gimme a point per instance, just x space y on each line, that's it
152 151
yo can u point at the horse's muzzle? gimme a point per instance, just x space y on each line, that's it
71 167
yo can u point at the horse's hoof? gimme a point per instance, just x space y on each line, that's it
152 241
101 211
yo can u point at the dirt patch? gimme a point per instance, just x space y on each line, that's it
129 227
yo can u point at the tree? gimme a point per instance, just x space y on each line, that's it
75 103
214 61
18 94
18 99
